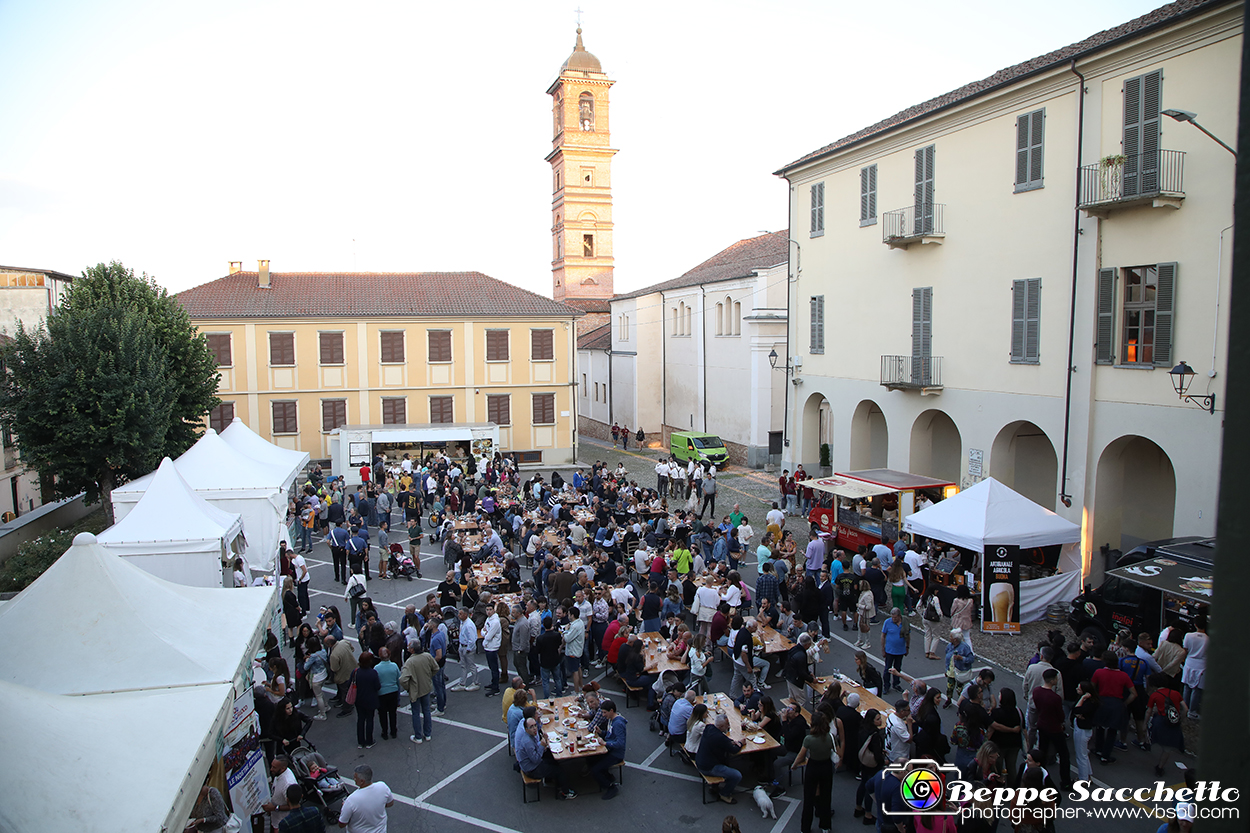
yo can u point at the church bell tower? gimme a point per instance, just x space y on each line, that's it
581 170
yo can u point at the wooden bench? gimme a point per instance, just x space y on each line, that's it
709 781
620 773
633 692
526 783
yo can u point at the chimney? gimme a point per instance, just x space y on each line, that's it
262 271
236 266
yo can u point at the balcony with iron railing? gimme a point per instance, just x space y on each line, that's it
1113 183
922 373
922 223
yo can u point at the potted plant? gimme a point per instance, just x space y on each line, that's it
826 460
1111 175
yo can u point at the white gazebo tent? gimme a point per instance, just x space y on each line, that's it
73 763
250 444
175 534
991 513
128 630
232 482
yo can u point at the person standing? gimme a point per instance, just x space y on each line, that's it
368 686
364 811
492 639
895 643
417 678
817 756
625 438
468 646
1047 705
1115 693
302 578
283 777
388 693
1195 666
661 476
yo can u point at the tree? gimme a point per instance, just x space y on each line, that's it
113 381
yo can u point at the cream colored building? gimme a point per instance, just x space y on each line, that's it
301 354
945 269
26 296
692 353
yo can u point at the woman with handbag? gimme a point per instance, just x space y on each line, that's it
871 755
934 631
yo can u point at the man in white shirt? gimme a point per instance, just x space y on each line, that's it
468 646
301 583
913 560
858 564
405 465
364 811
775 516
622 596
661 475
283 777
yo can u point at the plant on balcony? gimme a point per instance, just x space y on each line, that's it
825 458
1111 173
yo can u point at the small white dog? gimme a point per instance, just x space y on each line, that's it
765 803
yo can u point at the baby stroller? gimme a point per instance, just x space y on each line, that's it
321 782
400 564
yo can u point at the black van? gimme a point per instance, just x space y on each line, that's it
1149 585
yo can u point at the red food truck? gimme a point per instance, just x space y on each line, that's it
863 508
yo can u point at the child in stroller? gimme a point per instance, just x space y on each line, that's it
399 563
321 782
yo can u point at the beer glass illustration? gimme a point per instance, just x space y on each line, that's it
1002 601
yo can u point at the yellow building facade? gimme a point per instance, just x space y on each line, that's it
302 354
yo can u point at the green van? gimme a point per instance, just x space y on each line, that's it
690 445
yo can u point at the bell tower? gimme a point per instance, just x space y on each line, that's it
581 171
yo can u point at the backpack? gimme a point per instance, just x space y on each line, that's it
960 736
931 610
1171 713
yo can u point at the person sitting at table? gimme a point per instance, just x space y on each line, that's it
613 734
516 711
712 758
633 671
679 717
749 699
695 724
593 712
869 676
535 759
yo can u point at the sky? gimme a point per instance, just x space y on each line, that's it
406 135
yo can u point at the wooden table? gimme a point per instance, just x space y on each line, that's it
464 524
658 660
575 735
866 701
736 730
774 642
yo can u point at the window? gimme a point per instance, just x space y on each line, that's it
282 349
528 457
1143 96
737 318
331 348
1025 320
818 209
685 326
496 345
542 346
394 410
674 320
499 409
868 195
622 328
1145 314
392 346
544 408
924 190
439 345
218 418
588 245
584 391
1030 130
285 418
596 391
720 319
333 414
817 341
586 112
219 346
441 409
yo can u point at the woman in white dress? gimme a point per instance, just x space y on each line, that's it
1195 665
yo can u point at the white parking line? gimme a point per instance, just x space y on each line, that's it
464 769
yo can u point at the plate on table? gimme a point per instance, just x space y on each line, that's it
557 748
581 724
546 720
758 739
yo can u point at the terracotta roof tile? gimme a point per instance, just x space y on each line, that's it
1159 17
740 260
366 294
599 338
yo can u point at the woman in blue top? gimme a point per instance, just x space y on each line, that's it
388 691
367 686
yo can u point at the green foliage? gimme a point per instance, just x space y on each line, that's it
39 554
115 379
825 456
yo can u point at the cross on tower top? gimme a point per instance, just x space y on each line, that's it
579 17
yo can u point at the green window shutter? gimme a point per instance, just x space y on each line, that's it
1131 143
1151 100
1032 319
1018 292
921 333
1022 150
1104 346
816 343
872 192
864 213
818 209
1030 133
924 190
1165 306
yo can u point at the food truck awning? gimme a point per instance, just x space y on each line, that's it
1189 580
861 484
846 486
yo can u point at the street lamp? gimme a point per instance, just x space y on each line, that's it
1182 376
1192 118
772 358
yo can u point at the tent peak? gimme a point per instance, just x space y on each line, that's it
83 539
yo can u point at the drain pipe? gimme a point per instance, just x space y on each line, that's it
1219 273
1064 497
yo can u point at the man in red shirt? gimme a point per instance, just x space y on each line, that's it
1046 704
1115 693
364 474
785 485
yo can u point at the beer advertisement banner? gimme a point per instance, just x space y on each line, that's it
1000 589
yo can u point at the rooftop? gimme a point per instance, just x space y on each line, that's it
740 260
367 294
1161 16
52 272
600 338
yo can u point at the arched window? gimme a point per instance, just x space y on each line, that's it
720 320
586 112
737 322
686 325
674 320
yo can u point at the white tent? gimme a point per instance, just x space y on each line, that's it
128 630
175 534
990 512
250 444
233 482
76 763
